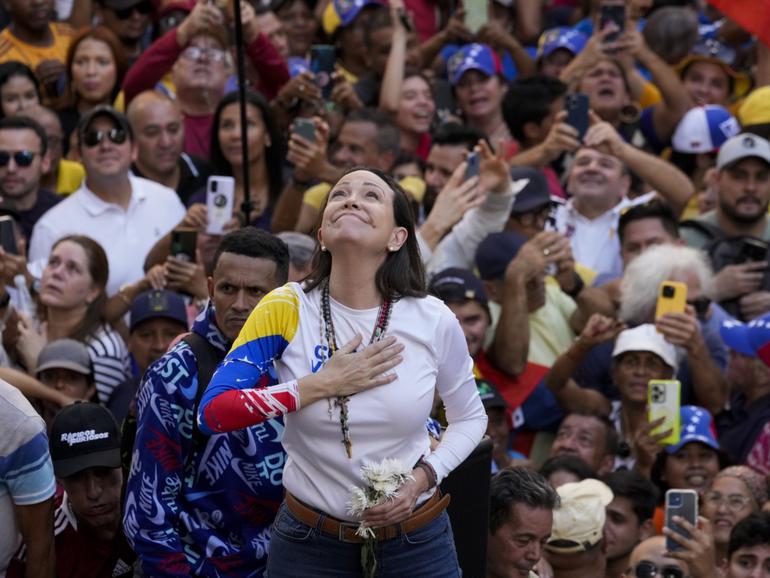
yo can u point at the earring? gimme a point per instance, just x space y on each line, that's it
323 247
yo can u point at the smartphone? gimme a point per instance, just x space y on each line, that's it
613 12
682 503
753 250
220 197
664 401
183 244
672 298
576 105
474 165
305 128
322 60
476 14
8 235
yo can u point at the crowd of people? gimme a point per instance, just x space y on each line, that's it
447 221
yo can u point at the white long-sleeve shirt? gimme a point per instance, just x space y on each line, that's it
385 422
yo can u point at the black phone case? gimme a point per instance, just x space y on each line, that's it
577 112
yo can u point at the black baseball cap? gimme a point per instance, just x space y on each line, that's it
104 110
84 435
455 284
490 397
533 191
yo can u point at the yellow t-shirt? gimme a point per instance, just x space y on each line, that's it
71 174
11 48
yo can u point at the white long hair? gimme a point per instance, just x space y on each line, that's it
642 278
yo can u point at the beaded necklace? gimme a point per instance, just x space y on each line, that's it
380 326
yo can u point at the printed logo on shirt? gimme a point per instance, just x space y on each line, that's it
81 437
320 353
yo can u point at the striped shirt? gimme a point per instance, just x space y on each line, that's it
110 359
26 472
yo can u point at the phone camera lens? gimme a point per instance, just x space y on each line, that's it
668 291
214 186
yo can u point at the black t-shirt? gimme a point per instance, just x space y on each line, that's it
739 426
27 219
194 172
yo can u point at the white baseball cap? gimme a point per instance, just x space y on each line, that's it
743 146
646 338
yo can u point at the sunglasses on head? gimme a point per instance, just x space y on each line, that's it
125 13
647 569
21 158
94 137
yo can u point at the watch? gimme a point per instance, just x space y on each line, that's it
579 286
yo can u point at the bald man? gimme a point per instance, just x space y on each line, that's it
159 131
649 554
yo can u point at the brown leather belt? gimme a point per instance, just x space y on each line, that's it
346 531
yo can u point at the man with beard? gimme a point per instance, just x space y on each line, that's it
743 193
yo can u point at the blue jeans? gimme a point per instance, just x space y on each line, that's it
297 549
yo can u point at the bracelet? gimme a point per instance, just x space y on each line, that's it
430 472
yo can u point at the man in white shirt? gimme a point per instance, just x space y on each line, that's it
125 214
599 184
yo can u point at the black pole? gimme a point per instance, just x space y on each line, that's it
246 206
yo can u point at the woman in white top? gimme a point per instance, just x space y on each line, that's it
368 280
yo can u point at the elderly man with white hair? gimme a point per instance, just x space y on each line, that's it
695 333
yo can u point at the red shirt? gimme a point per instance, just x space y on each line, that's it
79 554
515 391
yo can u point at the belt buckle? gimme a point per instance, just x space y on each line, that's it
353 527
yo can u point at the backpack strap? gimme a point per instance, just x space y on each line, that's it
711 232
207 357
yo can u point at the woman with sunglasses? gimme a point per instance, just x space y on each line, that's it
362 350
71 302
95 67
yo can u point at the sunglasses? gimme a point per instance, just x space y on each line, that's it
701 306
94 137
647 569
21 158
125 13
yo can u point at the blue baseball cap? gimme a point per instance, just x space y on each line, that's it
456 284
496 251
736 336
697 426
341 13
758 331
158 303
475 56
704 129
561 37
